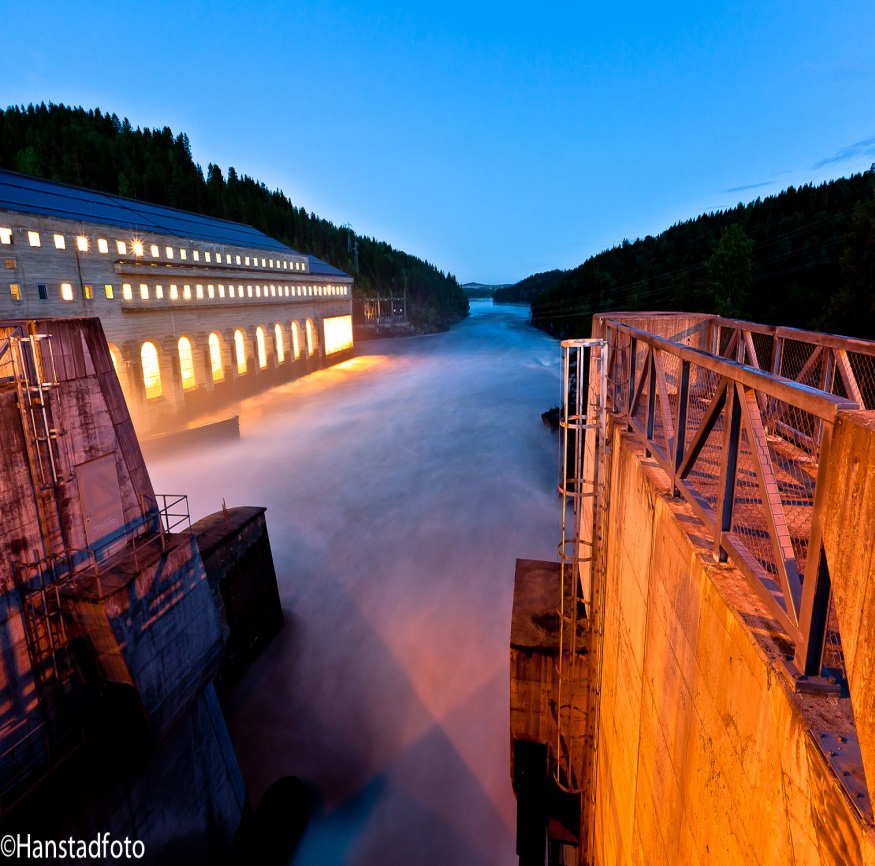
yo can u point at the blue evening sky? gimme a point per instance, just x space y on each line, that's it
493 139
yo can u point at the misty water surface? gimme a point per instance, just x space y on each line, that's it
400 487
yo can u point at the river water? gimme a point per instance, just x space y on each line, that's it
400 488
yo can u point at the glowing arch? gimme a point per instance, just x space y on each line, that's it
261 347
186 364
151 370
240 347
216 368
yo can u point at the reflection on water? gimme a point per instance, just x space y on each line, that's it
400 488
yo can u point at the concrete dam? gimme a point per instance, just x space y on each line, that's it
689 683
693 681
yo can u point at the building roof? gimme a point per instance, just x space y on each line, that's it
317 266
20 192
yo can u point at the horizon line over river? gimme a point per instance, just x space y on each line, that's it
400 487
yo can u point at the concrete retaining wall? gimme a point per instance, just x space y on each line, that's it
704 753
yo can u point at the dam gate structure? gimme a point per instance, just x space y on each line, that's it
703 642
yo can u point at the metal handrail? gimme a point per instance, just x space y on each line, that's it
699 416
159 522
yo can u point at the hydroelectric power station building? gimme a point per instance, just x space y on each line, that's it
197 311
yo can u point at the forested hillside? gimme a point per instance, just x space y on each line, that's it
804 258
99 151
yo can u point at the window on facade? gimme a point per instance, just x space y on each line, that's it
122 247
155 252
15 291
42 291
271 262
258 291
211 291
5 235
168 251
82 244
144 292
261 346
89 292
219 258
247 260
10 263
127 292
278 342
159 292
174 292
33 238
310 345
238 260
102 245
195 254
338 333
199 290
60 243
221 291
186 292
249 291
240 349
107 289
186 364
183 254
216 368
263 263
151 370
296 343
206 255
137 247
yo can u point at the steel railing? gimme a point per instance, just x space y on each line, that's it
161 515
746 447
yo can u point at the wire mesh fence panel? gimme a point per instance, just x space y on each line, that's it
767 461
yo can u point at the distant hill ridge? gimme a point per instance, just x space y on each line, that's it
99 151
481 290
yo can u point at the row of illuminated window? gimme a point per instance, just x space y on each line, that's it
84 243
186 292
151 367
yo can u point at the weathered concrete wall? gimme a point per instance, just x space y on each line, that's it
184 801
704 754
137 741
849 532
239 566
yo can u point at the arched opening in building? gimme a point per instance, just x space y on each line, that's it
278 342
296 343
261 347
310 342
116 357
240 348
216 368
151 370
121 370
186 364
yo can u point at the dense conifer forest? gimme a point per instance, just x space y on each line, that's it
102 152
803 258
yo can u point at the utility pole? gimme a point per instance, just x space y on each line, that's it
356 256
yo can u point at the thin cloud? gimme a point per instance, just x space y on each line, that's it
866 148
746 187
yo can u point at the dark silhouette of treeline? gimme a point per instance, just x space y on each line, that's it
802 258
101 152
